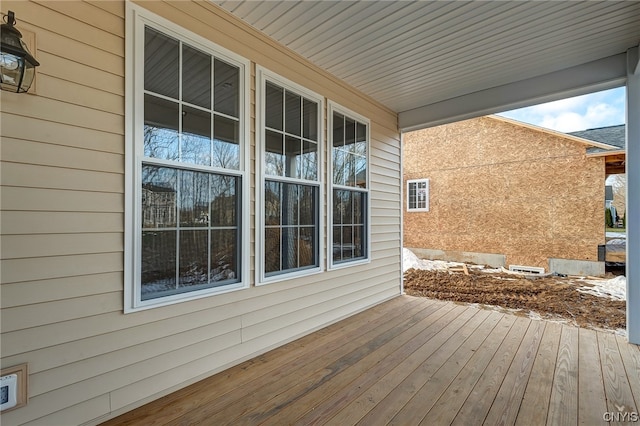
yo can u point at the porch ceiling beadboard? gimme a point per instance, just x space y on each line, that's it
408 55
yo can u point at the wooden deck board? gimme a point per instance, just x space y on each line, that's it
591 397
535 402
616 382
504 409
563 405
450 401
485 391
412 361
631 357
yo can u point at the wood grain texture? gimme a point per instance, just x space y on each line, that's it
413 361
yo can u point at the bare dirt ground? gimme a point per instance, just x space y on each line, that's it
550 297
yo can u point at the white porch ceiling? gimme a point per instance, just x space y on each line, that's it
414 56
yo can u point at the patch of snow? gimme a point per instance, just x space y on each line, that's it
615 234
617 241
615 288
410 260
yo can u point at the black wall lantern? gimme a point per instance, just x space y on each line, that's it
17 65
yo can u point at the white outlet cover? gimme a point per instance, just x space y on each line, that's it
8 391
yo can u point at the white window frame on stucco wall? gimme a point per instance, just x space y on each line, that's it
409 203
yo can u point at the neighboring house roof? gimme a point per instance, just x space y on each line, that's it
615 158
611 135
592 143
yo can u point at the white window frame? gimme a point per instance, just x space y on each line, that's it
331 108
262 76
136 20
418 209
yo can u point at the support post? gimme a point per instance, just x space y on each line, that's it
633 195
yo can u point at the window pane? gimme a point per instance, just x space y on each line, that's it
196 136
272 250
161 63
338 130
224 249
339 166
194 258
359 205
227 88
337 243
289 204
349 227
307 205
196 77
350 170
361 140
360 164
194 199
347 242
159 197
338 206
158 263
274 154
310 120
226 143
306 247
293 113
272 199
161 119
224 200
359 241
274 106
290 248
350 133
293 152
309 163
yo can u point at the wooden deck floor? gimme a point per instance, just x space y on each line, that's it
416 361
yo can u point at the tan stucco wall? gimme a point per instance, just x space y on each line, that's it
496 187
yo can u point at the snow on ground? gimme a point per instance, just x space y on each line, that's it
615 235
615 288
410 260
617 241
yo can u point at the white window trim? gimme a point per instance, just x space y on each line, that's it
425 209
262 75
136 18
331 108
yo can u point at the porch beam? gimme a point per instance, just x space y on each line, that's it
633 196
601 74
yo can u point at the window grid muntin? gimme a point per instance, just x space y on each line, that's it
286 134
337 113
209 228
297 225
212 110
132 291
418 195
267 81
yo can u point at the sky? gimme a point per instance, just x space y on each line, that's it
598 109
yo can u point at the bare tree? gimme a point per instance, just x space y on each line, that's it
619 183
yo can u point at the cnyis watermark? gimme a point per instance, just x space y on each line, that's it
621 416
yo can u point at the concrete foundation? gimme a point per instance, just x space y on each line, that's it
491 259
577 267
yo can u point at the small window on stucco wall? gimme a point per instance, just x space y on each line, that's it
418 195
